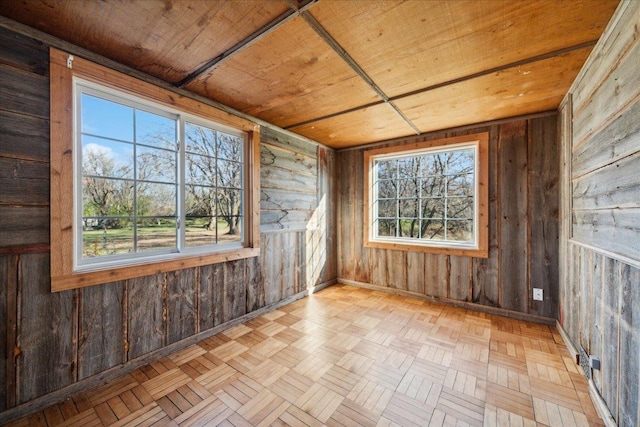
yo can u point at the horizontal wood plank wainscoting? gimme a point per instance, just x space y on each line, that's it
53 344
523 229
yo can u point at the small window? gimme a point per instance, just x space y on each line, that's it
159 181
429 197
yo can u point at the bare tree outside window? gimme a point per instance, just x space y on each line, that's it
429 196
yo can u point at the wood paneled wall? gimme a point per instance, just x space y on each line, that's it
600 238
523 228
49 341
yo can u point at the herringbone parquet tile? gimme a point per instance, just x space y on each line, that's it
349 357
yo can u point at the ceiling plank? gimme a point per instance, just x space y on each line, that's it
289 76
519 90
376 123
280 20
322 32
560 52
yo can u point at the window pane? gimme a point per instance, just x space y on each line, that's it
229 147
387 189
407 188
106 197
229 203
409 228
460 230
432 208
156 165
460 185
433 229
386 169
156 233
230 229
105 118
409 208
387 209
153 129
408 167
432 164
103 157
200 140
106 236
200 169
156 199
387 227
200 201
229 174
433 186
460 161
200 231
460 207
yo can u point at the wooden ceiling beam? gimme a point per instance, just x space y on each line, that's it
279 21
526 61
322 32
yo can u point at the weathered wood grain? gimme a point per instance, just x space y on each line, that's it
101 322
416 276
24 182
33 90
288 142
45 329
596 314
614 230
24 53
437 275
543 214
513 218
182 304
614 45
396 267
147 316
235 292
255 285
4 327
616 185
346 215
629 391
24 225
287 264
611 318
619 139
459 278
24 137
486 289
211 296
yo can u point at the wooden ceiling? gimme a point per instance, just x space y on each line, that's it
347 72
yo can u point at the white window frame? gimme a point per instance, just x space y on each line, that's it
478 247
82 86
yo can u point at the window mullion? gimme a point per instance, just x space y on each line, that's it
181 175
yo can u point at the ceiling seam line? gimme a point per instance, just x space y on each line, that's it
263 31
499 68
342 53
527 61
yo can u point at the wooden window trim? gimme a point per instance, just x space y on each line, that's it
63 68
482 175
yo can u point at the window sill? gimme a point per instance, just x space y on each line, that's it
84 279
442 250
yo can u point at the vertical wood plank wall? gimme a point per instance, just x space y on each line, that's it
523 228
52 340
600 247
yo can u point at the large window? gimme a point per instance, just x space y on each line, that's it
159 182
428 197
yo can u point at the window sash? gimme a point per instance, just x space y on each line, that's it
181 120
417 156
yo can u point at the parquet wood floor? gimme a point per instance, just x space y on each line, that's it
350 357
